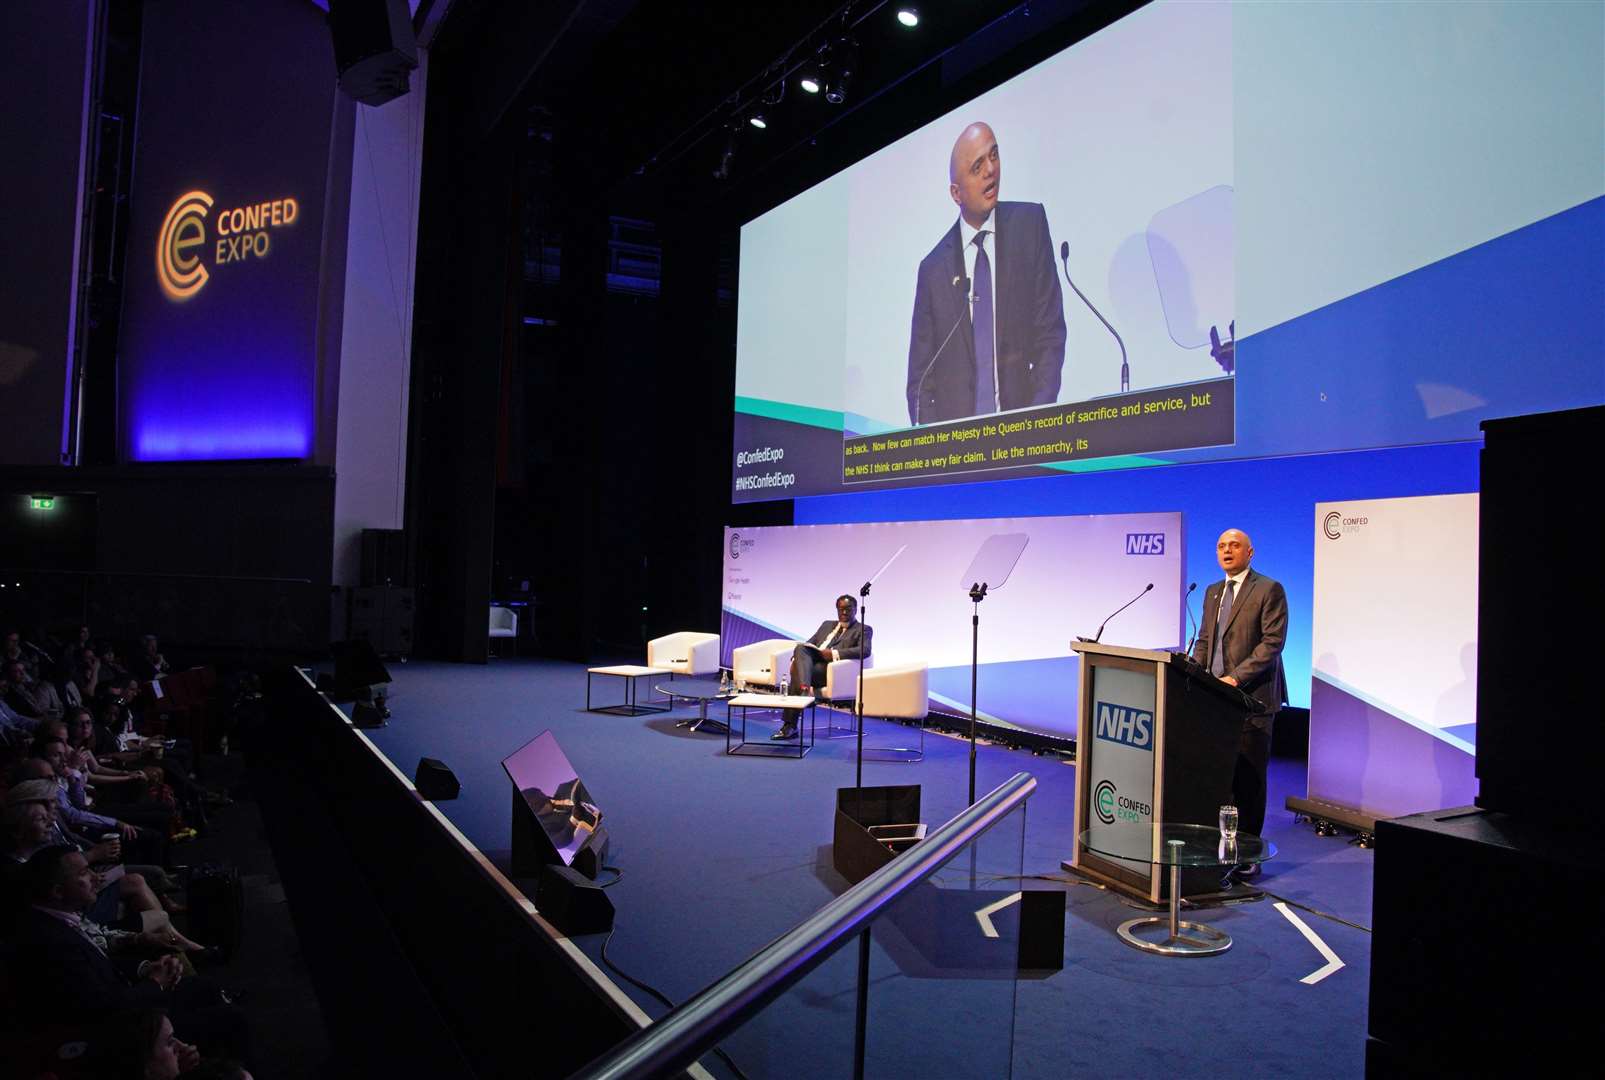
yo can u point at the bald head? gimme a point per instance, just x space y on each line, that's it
974 173
1234 551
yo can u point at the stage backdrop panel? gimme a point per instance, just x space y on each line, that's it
1072 572
1393 700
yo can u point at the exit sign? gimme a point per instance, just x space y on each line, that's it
42 502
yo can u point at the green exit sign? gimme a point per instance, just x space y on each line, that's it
42 502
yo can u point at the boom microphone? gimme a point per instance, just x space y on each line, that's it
1188 600
1125 369
964 313
1148 588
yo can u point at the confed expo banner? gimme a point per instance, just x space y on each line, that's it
1393 703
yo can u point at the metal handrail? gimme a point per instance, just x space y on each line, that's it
703 1021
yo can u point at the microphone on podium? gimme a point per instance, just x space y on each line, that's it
1148 588
1125 369
964 313
1188 600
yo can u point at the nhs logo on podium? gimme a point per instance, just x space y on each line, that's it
1145 543
1125 725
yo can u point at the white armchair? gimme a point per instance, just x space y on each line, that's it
503 624
685 653
898 692
762 663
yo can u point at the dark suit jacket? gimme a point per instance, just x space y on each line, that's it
73 975
854 644
1252 644
1030 320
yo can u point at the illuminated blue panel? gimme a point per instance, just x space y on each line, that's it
218 355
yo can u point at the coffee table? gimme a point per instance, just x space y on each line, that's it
770 747
629 673
1176 846
701 691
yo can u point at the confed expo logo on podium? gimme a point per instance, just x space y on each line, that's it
243 233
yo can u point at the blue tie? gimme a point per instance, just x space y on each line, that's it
986 389
1217 662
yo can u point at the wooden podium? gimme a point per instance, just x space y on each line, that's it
1156 741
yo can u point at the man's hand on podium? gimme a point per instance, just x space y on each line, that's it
1229 680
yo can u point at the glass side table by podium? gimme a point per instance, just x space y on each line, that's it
1176 846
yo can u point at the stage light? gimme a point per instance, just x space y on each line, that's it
845 56
727 155
908 15
757 120
811 81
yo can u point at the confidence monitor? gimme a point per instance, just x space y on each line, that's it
555 819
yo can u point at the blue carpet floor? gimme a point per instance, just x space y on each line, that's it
723 854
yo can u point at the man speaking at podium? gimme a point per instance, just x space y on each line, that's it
1240 643
1001 345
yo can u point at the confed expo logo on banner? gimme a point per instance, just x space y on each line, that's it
184 252
1334 525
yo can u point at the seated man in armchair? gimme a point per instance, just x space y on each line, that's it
841 638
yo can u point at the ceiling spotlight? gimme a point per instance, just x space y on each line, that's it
908 15
757 120
845 54
811 81
727 155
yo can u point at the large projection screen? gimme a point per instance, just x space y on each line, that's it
1071 573
1291 220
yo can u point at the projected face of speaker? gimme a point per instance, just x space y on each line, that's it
975 173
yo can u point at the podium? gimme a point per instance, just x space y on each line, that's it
1156 742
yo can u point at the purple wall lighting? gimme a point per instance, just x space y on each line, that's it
218 351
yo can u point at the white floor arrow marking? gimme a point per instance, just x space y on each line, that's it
984 916
1332 962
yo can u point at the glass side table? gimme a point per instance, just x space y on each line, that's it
1176 846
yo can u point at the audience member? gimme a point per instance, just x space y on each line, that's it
68 960
150 663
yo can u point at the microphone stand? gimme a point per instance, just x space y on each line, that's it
919 391
858 690
977 594
1125 369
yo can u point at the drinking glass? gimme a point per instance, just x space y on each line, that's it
1228 822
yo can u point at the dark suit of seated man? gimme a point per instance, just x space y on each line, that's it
841 638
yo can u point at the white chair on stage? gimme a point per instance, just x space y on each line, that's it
762 663
898 692
685 653
503 625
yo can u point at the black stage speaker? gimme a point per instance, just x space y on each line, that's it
571 903
1042 929
1480 963
357 664
367 714
435 780
384 558
374 48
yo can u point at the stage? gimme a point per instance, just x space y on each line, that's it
722 854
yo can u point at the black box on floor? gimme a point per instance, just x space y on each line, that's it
434 780
854 851
571 903
1473 969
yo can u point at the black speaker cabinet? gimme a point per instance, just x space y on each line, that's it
1484 954
571 903
1042 929
435 780
384 558
374 48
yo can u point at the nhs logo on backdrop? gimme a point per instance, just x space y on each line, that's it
1145 543
1125 725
